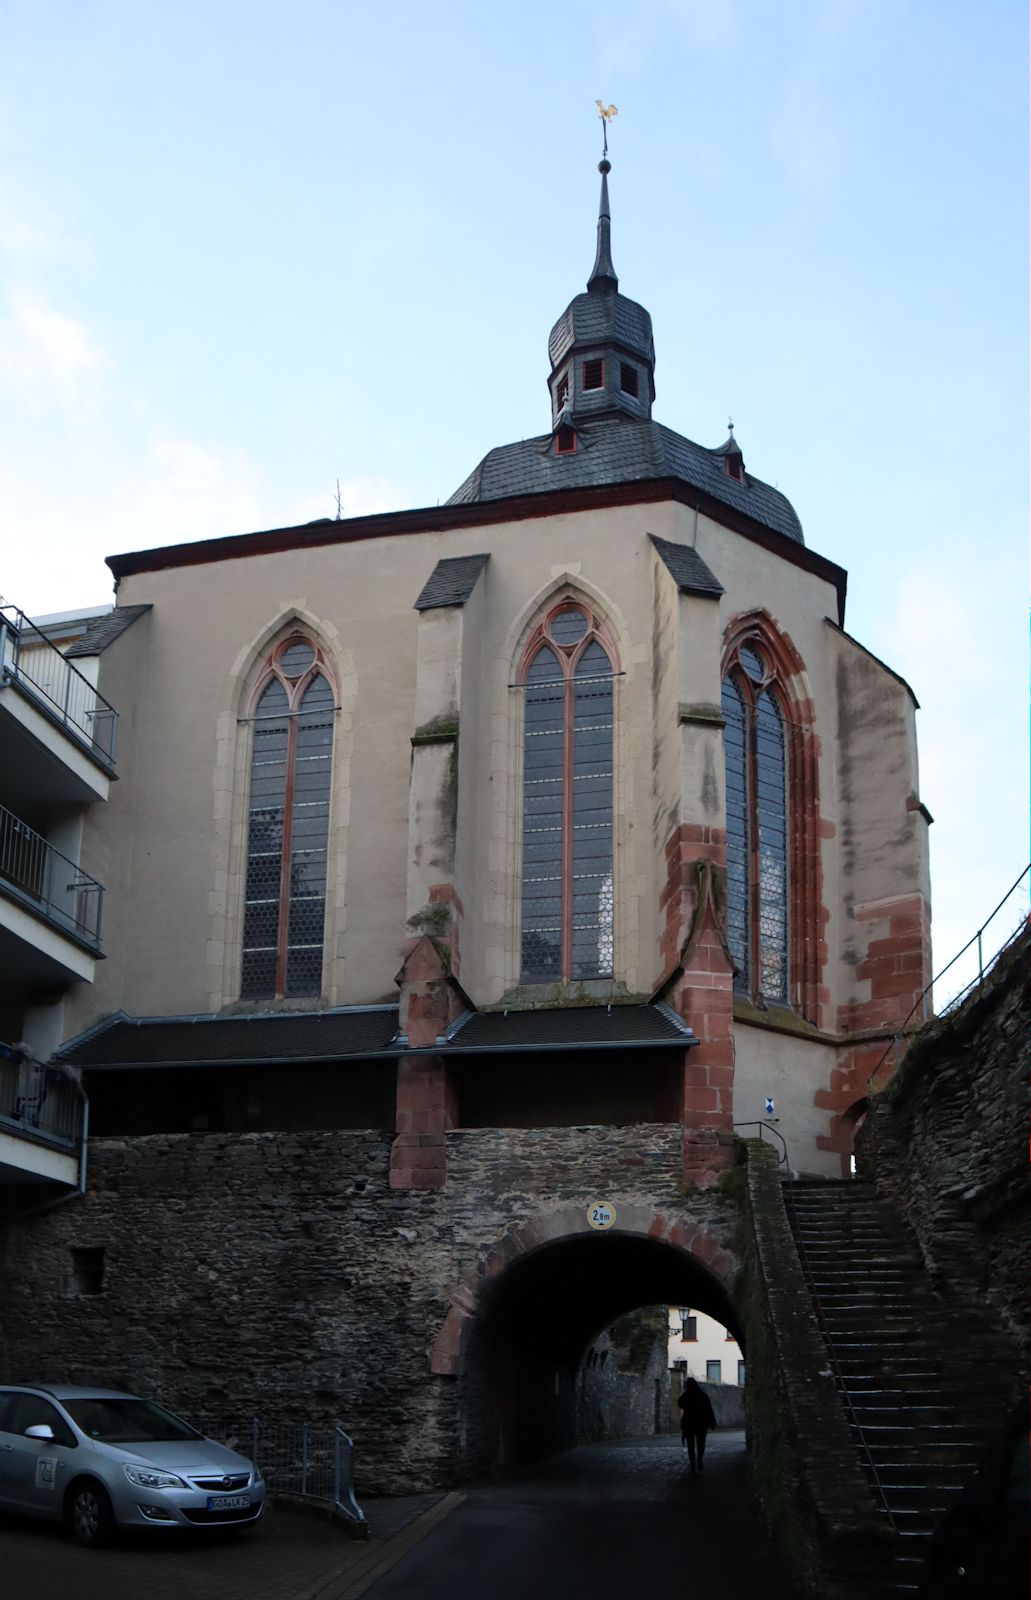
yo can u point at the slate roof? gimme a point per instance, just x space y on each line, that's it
625 450
686 567
103 631
571 1027
451 582
597 319
227 1041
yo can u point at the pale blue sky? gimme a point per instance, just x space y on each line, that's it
246 249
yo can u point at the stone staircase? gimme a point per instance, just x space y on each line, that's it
924 1382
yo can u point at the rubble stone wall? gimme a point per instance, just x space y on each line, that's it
946 1141
280 1275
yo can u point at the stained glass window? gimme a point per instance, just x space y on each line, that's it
288 835
568 911
757 828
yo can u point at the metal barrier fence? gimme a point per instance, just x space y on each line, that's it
41 1101
313 1463
42 877
28 659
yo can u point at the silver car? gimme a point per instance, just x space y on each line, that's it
102 1460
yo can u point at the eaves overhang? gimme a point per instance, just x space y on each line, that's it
479 514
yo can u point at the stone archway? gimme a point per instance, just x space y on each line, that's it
519 1322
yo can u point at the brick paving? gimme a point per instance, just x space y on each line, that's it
286 1557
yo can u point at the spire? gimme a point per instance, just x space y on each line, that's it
603 279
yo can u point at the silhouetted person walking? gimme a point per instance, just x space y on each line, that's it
696 1418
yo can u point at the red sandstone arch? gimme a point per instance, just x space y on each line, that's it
449 1350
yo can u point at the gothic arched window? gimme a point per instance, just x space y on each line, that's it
567 898
757 825
291 761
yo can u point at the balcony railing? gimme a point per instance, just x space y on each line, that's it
41 1102
32 871
28 659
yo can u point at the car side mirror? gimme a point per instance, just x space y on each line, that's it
40 1430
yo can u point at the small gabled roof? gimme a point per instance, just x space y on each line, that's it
103 631
687 569
594 1027
123 1041
451 582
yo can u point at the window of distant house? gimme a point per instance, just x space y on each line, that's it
594 374
567 899
291 760
628 380
757 825
688 1326
714 1372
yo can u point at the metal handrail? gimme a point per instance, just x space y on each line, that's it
39 876
782 1159
982 968
29 660
43 1102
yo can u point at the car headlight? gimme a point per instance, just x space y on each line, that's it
149 1478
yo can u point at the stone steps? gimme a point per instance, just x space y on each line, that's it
900 1356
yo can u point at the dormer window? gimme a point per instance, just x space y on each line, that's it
565 441
628 379
735 463
594 374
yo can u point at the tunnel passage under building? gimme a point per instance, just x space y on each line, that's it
535 1322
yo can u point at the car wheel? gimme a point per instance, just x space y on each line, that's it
90 1515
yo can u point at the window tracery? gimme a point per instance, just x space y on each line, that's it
288 823
567 883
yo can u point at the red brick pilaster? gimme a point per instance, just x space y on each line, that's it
702 992
425 1097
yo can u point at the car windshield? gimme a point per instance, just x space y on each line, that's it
115 1421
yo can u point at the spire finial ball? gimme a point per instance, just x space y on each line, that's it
604 167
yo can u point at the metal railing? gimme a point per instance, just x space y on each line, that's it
41 1101
32 871
774 1134
984 965
313 1463
37 667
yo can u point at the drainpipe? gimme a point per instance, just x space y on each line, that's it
80 1187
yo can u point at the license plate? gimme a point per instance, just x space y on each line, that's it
227 1502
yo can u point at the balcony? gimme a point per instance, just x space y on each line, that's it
42 1123
50 911
57 731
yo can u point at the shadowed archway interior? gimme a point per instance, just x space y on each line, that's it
537 1320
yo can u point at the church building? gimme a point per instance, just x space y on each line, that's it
466 864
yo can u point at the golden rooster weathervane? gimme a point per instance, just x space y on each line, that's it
606 113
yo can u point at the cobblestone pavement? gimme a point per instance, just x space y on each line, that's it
602 1523
595 1524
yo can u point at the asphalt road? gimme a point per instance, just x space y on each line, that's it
605 1522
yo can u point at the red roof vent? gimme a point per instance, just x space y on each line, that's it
565 441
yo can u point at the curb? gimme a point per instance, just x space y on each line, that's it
375 1562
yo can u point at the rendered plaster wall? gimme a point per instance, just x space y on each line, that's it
791 1068
300 1285
208 633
